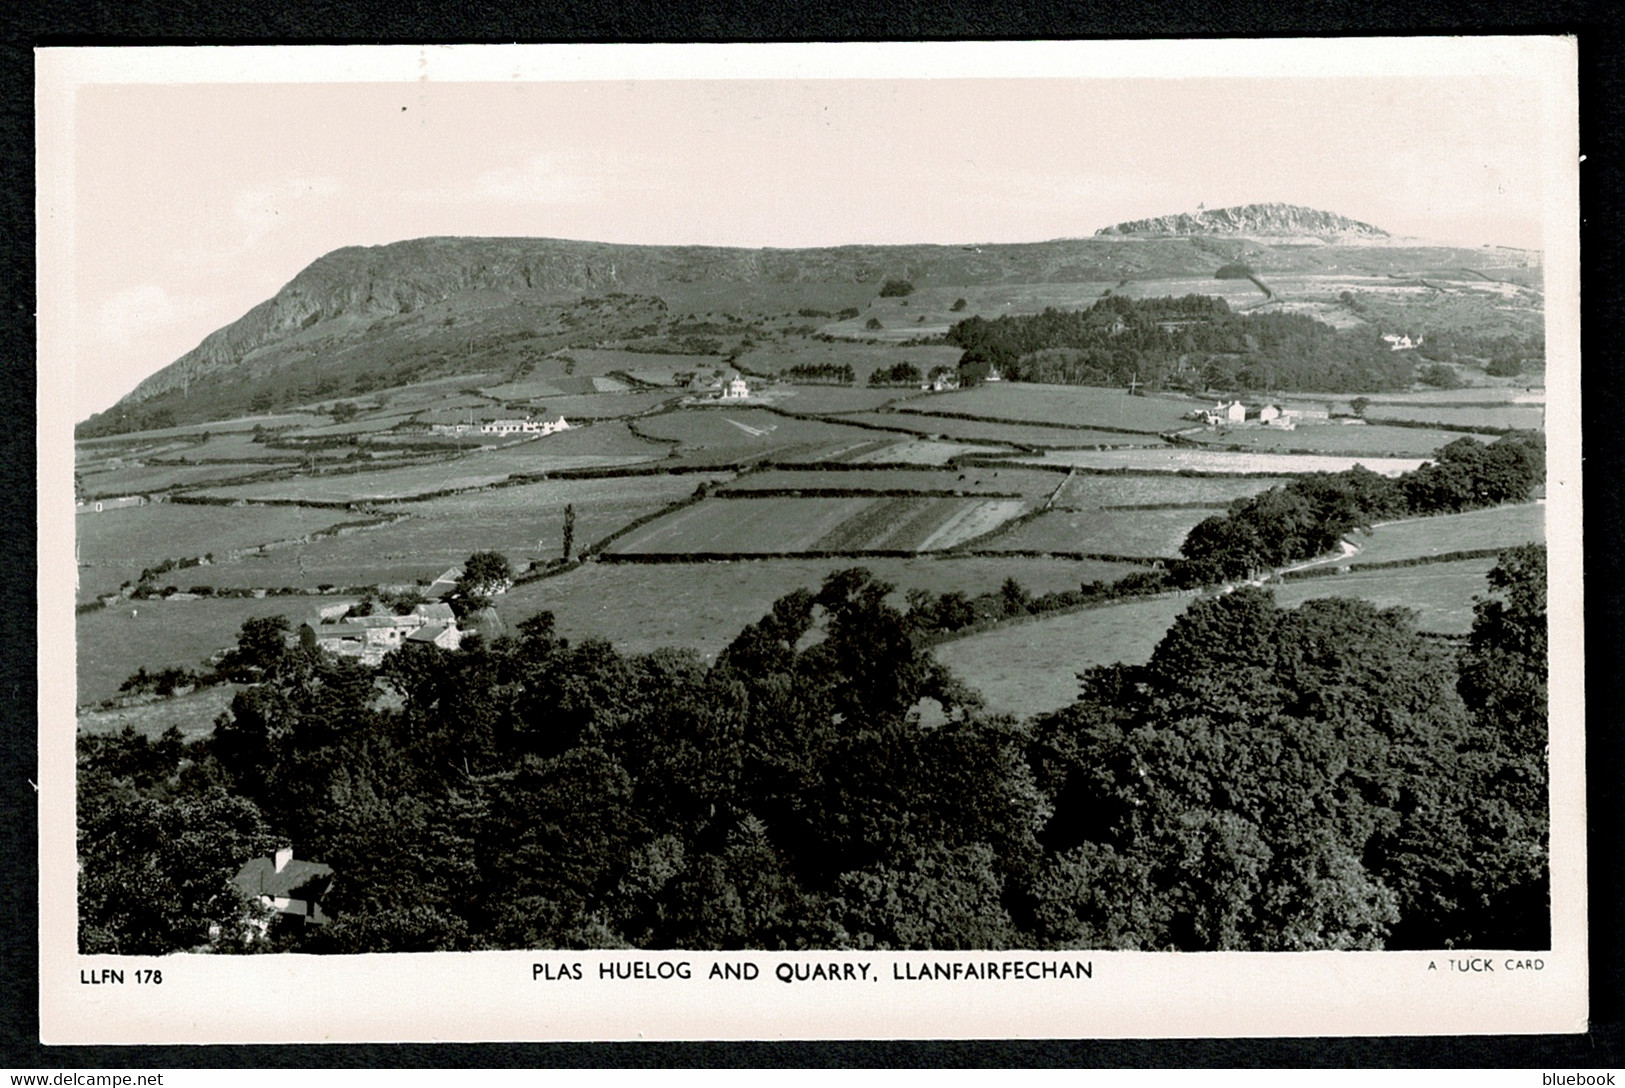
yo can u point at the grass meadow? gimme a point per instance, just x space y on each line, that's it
1495 527
1030 667
704 606
1140 533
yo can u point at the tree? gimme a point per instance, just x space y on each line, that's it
485 574
959 305
1359 404
343 411
873 324
896 289
262 646
156 876
570 527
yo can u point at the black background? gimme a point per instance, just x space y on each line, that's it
23 26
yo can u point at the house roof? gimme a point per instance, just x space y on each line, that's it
259 877
427 633
438 611
382 621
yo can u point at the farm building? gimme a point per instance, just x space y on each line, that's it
525 425
100 505
444 635
287 886
371 637
1400 341
1234 412
444 583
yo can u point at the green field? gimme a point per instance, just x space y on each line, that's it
1027 483
707 435
1333 439
148 479
113 643
115 545
830 399
1440 593
1015 434
1090 491
1188 460
1521 417
601 405
524 522
748 526
600 446
1030 667
1072 405
1496 527
920 451
1149 533
193 714
704 606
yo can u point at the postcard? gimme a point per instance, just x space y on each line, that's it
865 541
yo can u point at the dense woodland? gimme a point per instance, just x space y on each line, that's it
1271 779
1195 342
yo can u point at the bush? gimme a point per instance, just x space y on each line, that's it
872 323
959 304
896 289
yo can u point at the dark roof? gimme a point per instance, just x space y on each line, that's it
259 877
427 633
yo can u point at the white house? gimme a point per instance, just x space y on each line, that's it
1267 413
526 425
1234 412
735 387
1399 342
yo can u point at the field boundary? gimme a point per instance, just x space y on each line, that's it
724 492
974 418
1333 569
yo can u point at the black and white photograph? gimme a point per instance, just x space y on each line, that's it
807 542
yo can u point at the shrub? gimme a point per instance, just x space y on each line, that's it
896 289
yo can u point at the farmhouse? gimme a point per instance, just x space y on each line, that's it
1234 412
525 425
370 638
288 886
1399 342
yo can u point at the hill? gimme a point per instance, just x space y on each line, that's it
361 320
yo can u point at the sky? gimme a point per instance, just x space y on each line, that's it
193 201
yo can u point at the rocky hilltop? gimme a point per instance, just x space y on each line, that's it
1256 220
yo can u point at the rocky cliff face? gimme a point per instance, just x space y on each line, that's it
1262 220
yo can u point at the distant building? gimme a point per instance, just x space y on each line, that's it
287 886
1399 342
1267 413
97 506
1234 412
993 375
525 425
370 638
734 386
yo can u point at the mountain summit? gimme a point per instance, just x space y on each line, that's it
1259 220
